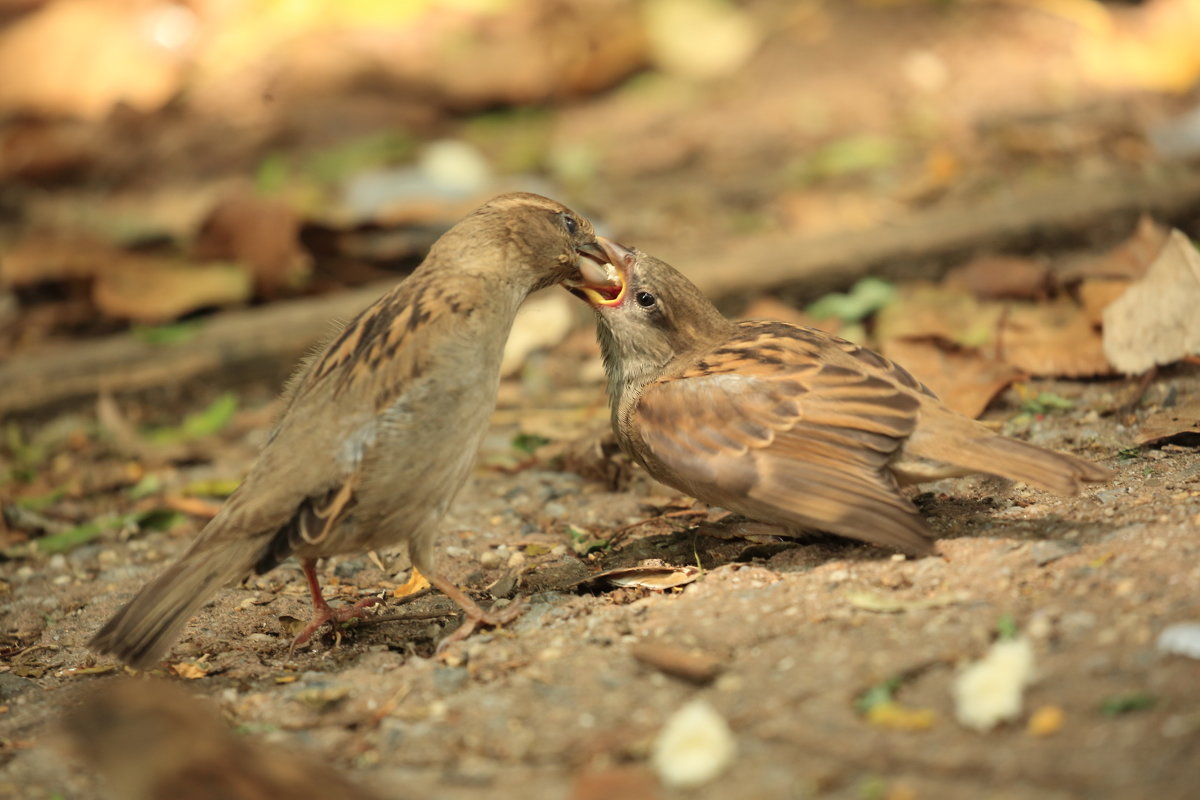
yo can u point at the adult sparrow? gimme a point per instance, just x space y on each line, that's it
379 428
787 424
151 740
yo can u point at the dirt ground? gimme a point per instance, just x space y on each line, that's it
556 703
565 703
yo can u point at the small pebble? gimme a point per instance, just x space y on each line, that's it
490 559
516 559
1180 639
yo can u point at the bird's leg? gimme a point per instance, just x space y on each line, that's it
322 611
475 616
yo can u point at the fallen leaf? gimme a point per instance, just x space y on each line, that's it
322 698
993 277
894 716
864 298
965 380
1052 339
416 583
1179 424
187 670
1126 703
154 290
1156 321
1097 294
925 310
199 425
1128 261
41 258
81 59
659 578
261 233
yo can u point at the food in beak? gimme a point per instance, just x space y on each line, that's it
600 281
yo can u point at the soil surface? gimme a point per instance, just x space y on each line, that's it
790 634
557 703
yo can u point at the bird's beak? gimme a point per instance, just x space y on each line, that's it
602 273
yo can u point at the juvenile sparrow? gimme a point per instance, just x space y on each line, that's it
379 428
150 740
787 424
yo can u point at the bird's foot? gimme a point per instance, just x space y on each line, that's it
335 617
476 617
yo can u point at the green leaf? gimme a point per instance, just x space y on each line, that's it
159 519
583 543
148 485
173 333
200 425
1006 627
80 534
40 502
1045 402
528 442
1126 703
865 298
878 694
852 155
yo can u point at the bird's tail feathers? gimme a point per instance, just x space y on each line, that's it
142 631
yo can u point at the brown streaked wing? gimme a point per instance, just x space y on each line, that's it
799 439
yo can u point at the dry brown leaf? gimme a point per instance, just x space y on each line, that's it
1097 294
80 58
40 258
155 290
659 578
416 583
925 310
1157 321
1052 339
994 276
261 233
1129 260
188 671
965 380
1179 424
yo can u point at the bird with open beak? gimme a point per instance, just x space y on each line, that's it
786 424
379 428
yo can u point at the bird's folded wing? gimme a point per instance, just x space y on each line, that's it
805 439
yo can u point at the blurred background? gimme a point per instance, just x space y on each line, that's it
984 190
161 160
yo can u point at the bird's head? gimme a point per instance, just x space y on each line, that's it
652 317
544 242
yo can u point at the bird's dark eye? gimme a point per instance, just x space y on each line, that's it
645 299
570 223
